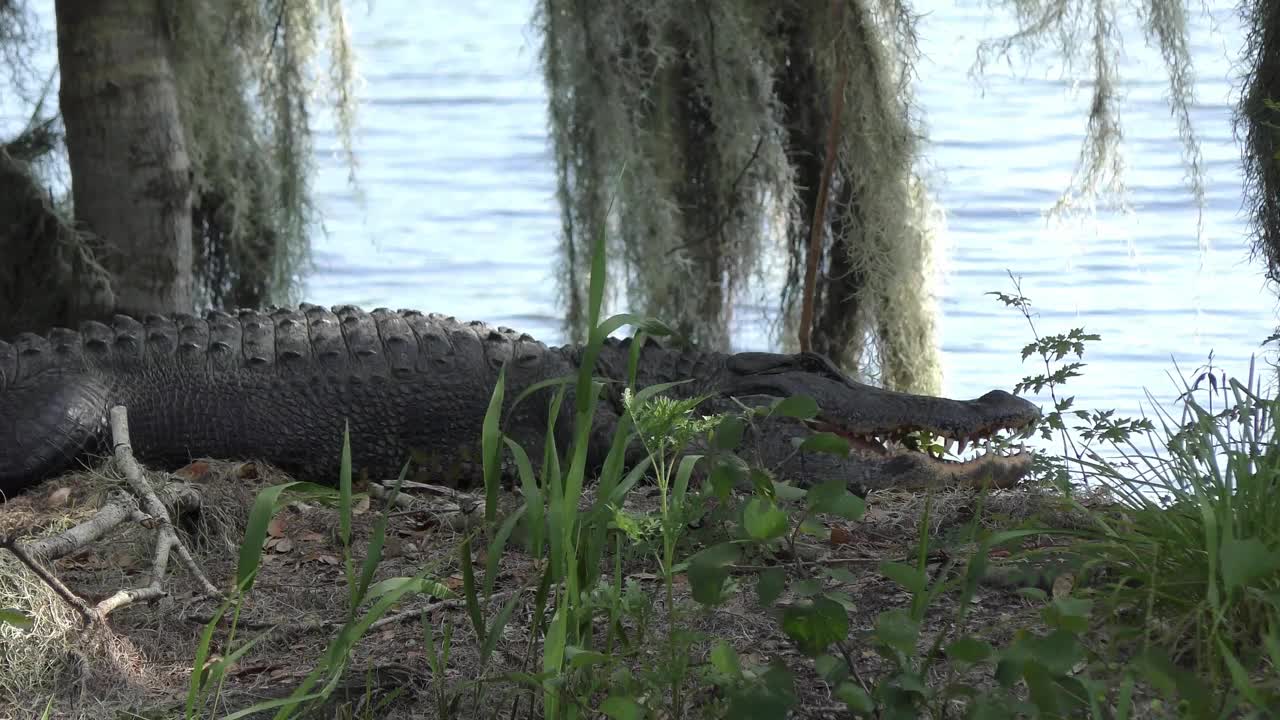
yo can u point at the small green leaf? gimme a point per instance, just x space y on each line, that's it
621 707
969 649
896 629
729 472
1243 561
855 698
803 407
725 659
849 507
763 520
833 497
578 657
1068 613
826 442
840 574
16 618
728 434
813 528
825 494
807 587
708 571
908 576
769 585
815 626
831 668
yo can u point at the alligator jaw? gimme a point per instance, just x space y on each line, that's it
882 426
996 460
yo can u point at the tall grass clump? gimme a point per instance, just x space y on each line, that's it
1185 563
1195 554
367 602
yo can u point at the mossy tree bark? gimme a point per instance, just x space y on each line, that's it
130 169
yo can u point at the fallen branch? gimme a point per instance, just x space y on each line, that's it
166 537
180 498
145 508
36 567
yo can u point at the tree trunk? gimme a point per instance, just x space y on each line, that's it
130 172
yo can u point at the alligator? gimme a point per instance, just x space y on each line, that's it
281 385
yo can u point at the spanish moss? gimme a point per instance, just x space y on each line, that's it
690 134
1258 122
245 79
1087 31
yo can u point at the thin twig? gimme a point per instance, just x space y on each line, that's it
166 536
50 579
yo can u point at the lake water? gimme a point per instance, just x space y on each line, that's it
460 216
458 212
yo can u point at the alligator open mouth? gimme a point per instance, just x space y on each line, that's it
994 455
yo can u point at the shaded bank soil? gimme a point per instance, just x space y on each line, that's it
142 665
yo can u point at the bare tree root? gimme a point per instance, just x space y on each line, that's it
145 508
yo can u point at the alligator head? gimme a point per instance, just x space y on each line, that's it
890 434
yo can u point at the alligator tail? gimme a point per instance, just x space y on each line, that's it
50 409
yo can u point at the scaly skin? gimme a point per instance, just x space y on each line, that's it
281 385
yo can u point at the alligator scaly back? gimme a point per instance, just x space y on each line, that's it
278 385
282 385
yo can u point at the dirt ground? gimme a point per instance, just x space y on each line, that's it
142 666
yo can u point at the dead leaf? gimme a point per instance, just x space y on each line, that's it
360 506
841 536
58 498
284 545
275 528
310 536
247 471
1062 585
193 471
328 559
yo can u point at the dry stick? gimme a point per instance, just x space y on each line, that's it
106 519
181 496
824 189
50 579
166 536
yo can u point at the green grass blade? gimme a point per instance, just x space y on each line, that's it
199 678
533 499
344 516
553 659
469 592
373 555
493 555
685 471
491 448
496 629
